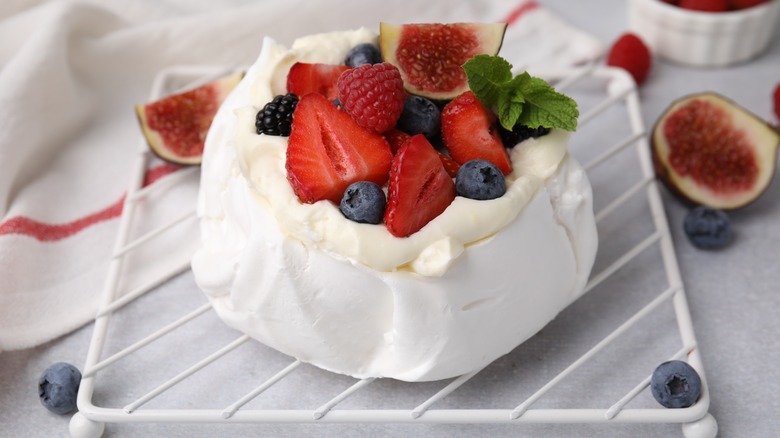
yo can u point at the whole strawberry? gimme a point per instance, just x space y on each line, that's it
777 101
373 94
705 5
630 53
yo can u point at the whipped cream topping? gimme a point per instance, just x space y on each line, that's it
470 286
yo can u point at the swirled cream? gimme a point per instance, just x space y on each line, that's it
467 288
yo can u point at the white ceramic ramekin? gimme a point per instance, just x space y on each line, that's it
704 39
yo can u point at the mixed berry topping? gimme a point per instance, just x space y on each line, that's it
276 116
358 140
373 94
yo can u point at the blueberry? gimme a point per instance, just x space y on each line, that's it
58 387
363 202
365 53
707 228
480 179
420 116
675 384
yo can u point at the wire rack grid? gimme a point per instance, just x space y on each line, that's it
609 99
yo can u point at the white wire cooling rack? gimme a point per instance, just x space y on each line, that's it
530 385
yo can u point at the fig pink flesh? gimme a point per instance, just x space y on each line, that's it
706 146
432 55
182 121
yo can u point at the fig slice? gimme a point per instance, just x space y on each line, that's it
710 151
175 126
430 56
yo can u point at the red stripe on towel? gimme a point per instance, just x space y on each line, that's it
52 232
520 11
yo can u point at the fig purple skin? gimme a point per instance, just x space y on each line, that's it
710 151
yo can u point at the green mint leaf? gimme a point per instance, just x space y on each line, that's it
521 99
546 107
486 74
510 106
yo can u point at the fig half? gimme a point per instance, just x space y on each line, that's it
710 151
430 57
175 127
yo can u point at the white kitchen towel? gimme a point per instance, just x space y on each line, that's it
70 74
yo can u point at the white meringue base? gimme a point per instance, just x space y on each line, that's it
341 315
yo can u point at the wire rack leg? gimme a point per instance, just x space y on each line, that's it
82 427
705 427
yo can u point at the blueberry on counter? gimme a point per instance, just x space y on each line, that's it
675 384
58 387
365 53
707 228
420 116
480 179
363 202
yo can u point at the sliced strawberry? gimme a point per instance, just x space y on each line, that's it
327 151
306 78
420 188
396 138
451 166
471 132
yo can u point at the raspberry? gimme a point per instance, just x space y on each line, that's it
705 5
777 101
373 94
630 53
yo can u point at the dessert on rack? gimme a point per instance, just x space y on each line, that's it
397 205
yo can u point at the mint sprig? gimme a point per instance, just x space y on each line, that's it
520 99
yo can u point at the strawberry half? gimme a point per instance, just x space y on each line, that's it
327 151
306 78
420 188
451 166
396 138
471 132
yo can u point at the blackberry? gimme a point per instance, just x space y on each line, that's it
519 133
276 116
